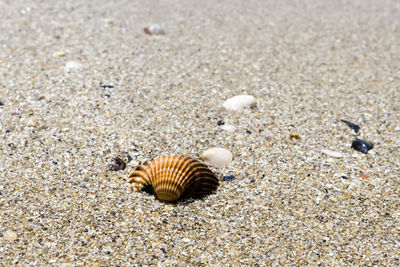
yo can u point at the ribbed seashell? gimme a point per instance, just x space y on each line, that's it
174 177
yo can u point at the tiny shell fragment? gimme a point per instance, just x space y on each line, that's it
217 157
118 164
70 65
332 153
59 53
228 127
10 235
239 102
353 126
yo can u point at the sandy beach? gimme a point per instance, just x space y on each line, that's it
83 82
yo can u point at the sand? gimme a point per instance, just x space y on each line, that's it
125 93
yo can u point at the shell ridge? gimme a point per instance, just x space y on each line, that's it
164 184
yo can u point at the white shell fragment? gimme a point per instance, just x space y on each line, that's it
229 128
332 153
217 157
70 65
59 53
239 102
10 235
154 29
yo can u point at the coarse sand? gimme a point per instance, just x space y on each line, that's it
82 82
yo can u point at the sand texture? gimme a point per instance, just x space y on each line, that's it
81 83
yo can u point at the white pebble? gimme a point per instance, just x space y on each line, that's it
217 157
228 127
155 29
59 53
239 102
332 153
10 235
70 65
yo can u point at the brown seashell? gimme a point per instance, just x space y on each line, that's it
174 177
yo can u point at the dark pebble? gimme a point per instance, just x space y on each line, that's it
228 178
147 31
163 250
118 165
1 103
107 96
344 177
248 131
353 126
104 86
220 122
362 146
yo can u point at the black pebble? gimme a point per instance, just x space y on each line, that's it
118 164
353 126
248 131
228 178
362 146
1 103
104 86
220 122
163 250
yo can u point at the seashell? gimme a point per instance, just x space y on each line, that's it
239 102
217 157
173 177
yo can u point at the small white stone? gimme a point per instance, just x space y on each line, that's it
217 157
70 65
186 240
109 20
239 102
228 127
10 235
59 53
155 29
332 153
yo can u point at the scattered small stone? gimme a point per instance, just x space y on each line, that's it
332 153
239 102
353 126
228 128
106 86
217 157
59 53
154 29
248 131
118 164
294 135
72 65
344 177
1 103
109 20
364 176
361 145
10 235
220 122
228 178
